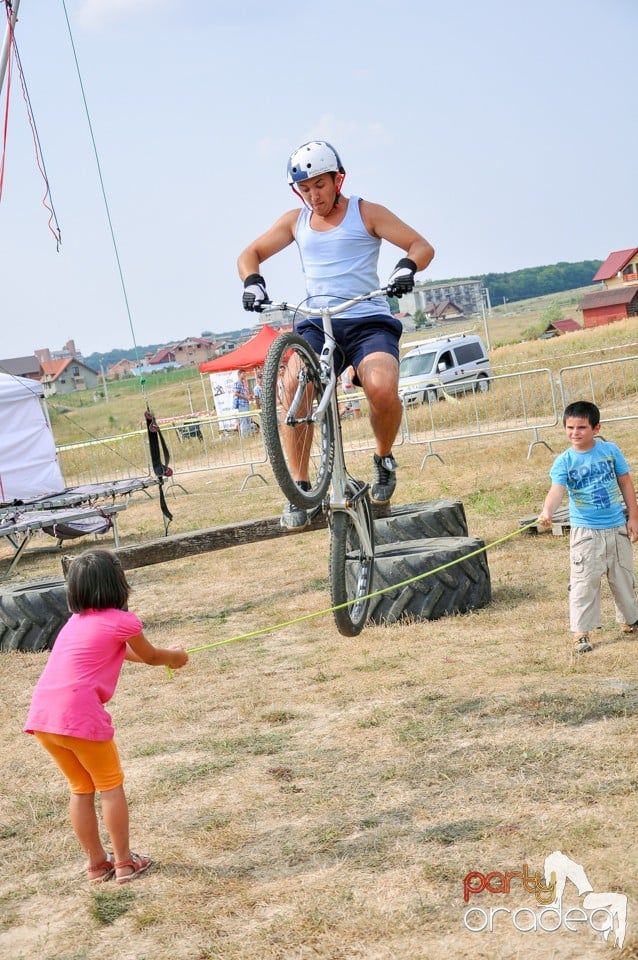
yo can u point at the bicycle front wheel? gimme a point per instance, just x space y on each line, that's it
351 568
298 446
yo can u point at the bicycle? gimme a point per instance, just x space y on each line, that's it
301 424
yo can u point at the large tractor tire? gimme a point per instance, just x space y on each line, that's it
463 585
32 614
420 521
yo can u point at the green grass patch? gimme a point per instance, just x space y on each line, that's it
265 744
108 906
458 831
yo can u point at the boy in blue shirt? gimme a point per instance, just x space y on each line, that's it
596 477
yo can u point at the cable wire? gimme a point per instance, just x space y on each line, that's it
104 197
322 613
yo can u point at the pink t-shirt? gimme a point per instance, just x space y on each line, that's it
81 675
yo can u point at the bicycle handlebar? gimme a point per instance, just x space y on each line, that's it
271 305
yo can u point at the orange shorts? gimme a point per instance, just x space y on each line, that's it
88 765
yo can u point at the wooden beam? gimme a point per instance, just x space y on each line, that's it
179 545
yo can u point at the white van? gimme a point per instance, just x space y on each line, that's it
451 365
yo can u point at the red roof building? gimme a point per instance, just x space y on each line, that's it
605 306
165 355
120 369
65 376
558 327
444 310
617 297
620 267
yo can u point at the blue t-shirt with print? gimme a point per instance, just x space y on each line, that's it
595 499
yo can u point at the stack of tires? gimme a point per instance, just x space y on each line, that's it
418 538
411 541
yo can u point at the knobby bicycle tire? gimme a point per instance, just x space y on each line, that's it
293 358
351 569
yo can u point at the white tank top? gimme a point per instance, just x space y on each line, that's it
340 263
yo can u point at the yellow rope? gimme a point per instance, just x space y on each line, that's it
322 613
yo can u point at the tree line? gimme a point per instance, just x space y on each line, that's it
538 281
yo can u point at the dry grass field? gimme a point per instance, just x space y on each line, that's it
308 796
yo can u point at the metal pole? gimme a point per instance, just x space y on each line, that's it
201 377
6 44
104 386
487 332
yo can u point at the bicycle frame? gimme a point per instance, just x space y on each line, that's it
303 439
342 496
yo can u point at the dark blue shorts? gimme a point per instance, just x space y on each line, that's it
355 338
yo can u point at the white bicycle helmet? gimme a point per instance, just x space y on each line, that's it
312 159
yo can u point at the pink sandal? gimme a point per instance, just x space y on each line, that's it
104 870
138 864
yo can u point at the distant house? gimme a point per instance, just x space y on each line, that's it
466 294
619 268
446 310
609 305
163 356
558 327
66 376
192 351
224 346
617 297
22 367
123 367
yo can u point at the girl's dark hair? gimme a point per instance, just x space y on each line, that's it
584 410
96 581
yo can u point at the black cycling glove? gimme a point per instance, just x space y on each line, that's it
255 296
402 279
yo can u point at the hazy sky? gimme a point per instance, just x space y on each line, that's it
506 132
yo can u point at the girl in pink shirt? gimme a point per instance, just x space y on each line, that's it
67 714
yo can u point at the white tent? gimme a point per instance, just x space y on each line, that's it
28 462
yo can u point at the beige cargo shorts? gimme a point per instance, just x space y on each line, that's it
594 554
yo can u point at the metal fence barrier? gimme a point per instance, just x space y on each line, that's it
611 384
204 443
108 458
198 443
515 402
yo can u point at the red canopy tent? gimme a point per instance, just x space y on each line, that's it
251 354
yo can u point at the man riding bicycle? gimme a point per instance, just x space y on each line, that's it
339 241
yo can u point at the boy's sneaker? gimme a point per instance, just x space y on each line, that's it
294 518
385 479
582 644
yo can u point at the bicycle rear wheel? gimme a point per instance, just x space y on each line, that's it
351 568
298 447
